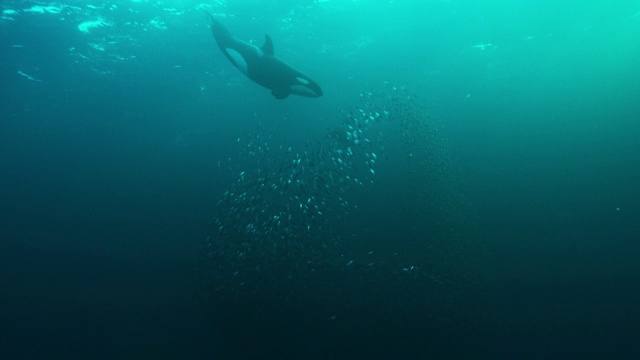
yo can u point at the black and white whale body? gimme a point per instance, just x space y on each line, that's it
261 66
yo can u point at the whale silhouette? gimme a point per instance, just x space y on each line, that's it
261 66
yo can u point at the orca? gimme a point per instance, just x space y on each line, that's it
261 66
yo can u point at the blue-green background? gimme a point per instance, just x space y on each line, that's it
110 141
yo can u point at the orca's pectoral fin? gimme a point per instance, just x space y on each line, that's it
280 93
220 33
209 15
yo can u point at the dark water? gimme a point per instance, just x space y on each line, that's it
467 187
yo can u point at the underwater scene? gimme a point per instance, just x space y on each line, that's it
321 179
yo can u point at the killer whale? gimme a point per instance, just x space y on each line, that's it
261 66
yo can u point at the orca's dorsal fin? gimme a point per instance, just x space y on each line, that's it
267 48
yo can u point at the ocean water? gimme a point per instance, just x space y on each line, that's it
467 186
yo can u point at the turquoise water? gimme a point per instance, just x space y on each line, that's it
465 187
